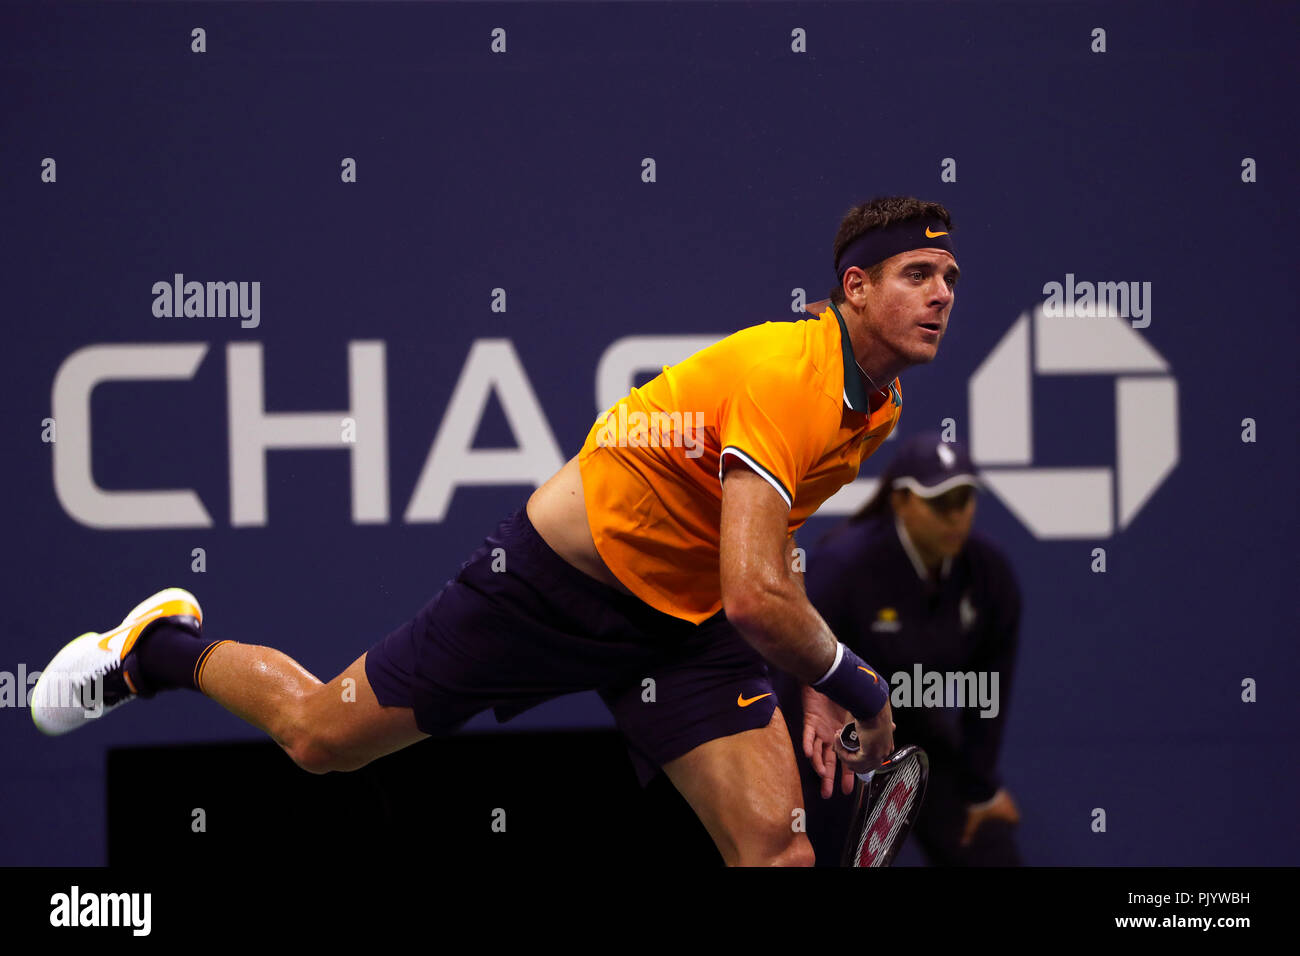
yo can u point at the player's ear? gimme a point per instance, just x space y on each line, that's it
856 282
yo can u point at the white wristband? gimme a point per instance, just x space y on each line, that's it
839 656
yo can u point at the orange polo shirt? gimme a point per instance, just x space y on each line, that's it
776 397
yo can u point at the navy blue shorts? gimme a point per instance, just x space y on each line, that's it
519 625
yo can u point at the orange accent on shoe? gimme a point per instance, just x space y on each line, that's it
166 609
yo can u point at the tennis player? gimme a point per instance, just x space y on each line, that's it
654 567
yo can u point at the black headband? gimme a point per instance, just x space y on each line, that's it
877 245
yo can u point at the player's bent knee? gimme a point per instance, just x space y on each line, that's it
310 753
308 758
793 849
316 754
317 749
771 842
798 853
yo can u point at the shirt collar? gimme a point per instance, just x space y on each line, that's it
915 556
857 391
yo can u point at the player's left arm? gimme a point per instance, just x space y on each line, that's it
762 596
822 717
766 604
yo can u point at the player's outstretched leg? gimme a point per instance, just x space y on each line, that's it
323 727
745 790
160 645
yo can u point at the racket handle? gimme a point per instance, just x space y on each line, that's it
849 737
849 740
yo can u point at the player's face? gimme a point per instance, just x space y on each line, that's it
939 526
908 309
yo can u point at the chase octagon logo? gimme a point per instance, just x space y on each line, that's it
1146 423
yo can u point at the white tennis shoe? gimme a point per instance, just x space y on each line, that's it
88 677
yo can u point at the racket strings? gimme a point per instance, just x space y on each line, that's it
892 809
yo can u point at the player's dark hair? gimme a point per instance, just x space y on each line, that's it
877 214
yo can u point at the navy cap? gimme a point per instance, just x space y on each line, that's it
928 466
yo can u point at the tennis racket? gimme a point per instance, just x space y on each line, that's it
886 803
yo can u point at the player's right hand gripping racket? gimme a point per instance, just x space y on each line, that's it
885 804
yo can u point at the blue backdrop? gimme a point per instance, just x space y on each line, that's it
379 170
